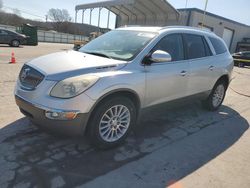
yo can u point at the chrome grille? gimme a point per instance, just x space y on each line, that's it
30 77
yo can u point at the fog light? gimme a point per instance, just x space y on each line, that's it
60 115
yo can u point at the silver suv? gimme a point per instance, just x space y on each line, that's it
100 90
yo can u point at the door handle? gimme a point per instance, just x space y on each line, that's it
211 67
183 73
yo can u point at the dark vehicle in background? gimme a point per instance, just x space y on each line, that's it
242 59
12 38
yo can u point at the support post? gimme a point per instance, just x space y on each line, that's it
83 15
99 16
90 16
108 18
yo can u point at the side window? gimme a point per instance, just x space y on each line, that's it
2 32
173 45
219 47
195 46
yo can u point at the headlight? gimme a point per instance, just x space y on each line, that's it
74 86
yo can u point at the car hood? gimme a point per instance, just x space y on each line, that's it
61 65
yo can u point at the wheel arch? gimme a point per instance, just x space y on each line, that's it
132 95
14 40
224 78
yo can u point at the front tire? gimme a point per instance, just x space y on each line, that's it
111 122
216 97
15 43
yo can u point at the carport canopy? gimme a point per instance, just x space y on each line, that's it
135 12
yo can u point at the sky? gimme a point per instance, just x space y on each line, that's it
235 10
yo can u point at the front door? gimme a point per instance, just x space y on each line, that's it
166 81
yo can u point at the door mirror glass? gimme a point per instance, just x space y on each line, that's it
160 56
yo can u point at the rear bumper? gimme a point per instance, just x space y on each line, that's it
37 115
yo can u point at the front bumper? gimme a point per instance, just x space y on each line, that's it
36 113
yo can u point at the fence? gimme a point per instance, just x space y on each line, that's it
52 36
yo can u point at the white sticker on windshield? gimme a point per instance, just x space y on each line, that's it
147 35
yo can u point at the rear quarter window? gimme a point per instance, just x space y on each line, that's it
218 45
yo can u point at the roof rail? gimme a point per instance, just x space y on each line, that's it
130 26
124 26
187 27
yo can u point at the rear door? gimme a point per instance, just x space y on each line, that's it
167 80
201 63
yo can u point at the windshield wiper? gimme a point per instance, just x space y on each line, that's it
98 54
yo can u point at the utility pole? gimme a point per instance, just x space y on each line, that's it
204 15
186 13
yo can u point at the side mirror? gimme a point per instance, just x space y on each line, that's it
160 56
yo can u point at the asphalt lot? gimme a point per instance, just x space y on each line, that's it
25 53
177 146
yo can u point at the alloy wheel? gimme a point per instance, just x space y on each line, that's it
114 123
218 95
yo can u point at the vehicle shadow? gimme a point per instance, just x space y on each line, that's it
33 157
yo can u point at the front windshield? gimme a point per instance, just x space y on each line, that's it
119 44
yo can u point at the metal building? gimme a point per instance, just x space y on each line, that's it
231 31
134 12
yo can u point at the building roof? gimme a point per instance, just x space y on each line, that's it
142 12
213 15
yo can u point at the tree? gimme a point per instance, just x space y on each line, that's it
60 19
59 15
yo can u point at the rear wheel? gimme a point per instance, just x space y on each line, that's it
15 43
111 122
216 97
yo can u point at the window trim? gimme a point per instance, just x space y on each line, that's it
207 47
210 45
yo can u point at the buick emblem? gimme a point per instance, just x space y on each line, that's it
25 73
